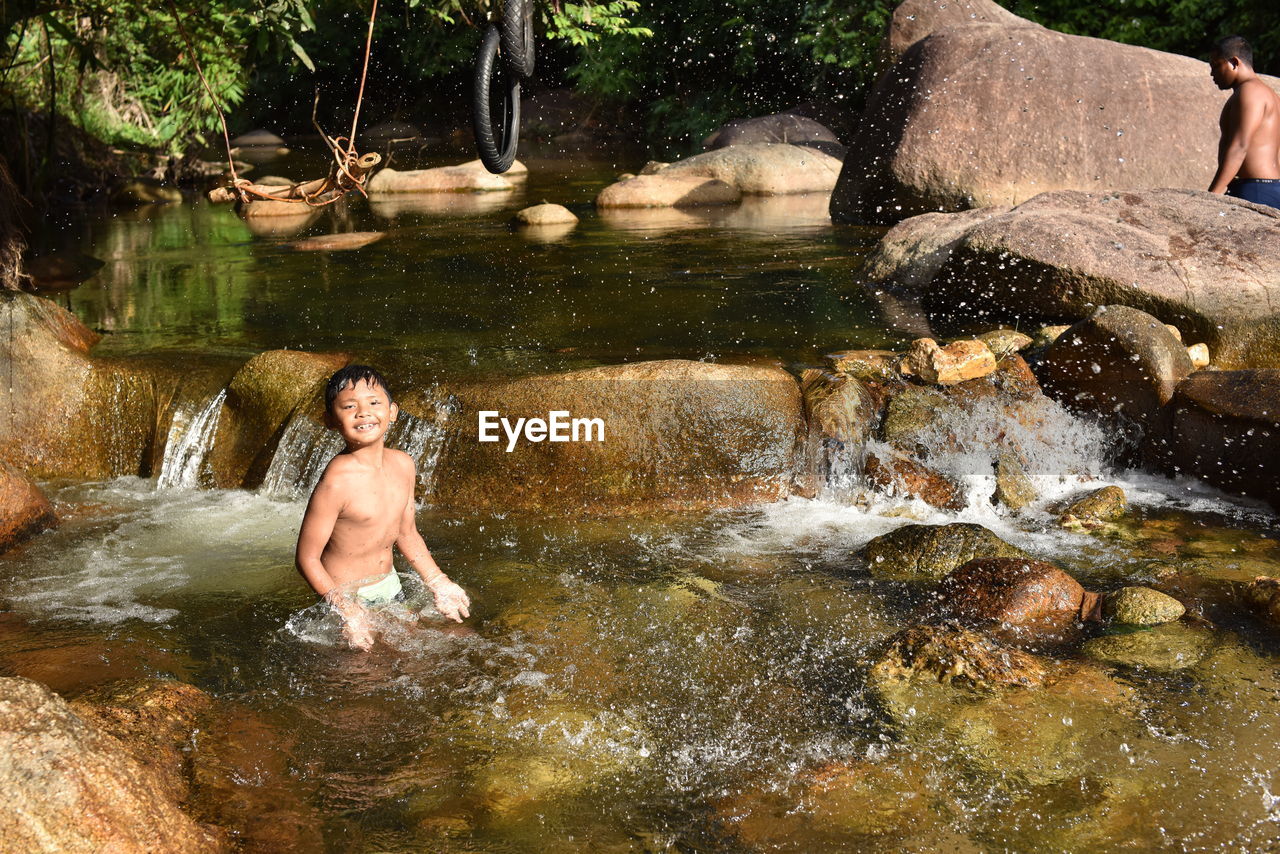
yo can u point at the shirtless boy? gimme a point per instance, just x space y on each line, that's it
362 506
1249 153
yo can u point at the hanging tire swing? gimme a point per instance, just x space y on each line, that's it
495 111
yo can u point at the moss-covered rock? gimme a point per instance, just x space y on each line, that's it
1094 508
1141 606
929 552
1169 647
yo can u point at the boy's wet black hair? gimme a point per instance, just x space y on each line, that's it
349 376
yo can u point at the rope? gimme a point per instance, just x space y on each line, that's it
213 99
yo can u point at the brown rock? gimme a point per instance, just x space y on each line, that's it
876 366
337 242
1094 508
260 399
70 787
1005 342
1014 488
914 20
1014 593
955 363
906 477
24 510
950 653
925 141
1226 430
1263 596
841 412
657 191
677 434
930 552
1120 362
1199 355
546 214
763 169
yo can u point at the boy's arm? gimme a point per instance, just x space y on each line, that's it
317 528
451 600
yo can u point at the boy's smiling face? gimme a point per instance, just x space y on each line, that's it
362 413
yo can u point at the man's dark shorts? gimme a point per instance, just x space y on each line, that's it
1262 191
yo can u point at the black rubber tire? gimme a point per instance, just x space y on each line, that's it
497 150
517 38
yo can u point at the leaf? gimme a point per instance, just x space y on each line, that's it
302 55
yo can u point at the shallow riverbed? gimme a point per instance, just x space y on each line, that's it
659 684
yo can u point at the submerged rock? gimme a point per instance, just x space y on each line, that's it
1094 508
1164 648
662 190
1263 596
1026 595
1141 606
1008 712
337 242
24 509
670 434
929 552
1226 430
70 787
899 475
955 363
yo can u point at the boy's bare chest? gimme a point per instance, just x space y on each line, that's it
375 501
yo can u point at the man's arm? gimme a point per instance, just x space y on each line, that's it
1239 127
451 600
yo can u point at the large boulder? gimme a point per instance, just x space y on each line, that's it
24 509
913 20
1226 430
66 414
1120 364
764 169
463 178
71 787
260 399
676 434
982 113
930 552
787 128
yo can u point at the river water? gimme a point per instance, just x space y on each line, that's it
650 684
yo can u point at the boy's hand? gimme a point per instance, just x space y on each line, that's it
451 600
355 621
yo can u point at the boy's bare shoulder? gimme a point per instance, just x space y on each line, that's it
402 461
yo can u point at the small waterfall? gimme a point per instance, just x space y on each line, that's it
307 446
191 435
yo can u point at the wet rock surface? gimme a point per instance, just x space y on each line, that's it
1094 508
1027 595
949 365
763 168
1164 648
930 552
676 434
1140 606
1263 596
899 475
661 190
1226 430
462 178
71 787
842 413
24 509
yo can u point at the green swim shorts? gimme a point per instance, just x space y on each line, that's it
380 592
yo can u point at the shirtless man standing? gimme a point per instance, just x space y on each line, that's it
1249 153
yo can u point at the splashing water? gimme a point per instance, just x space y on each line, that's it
190 438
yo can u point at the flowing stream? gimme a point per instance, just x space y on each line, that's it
665 683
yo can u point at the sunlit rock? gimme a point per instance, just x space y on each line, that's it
1140 606
1226 430
1007 712
925 141
260 398
1004 342
1027 596
908 257
1121 365
1094 508
24 509
545 214
877 366
339 242
929 552
898 475
913 20
676 434
768 169
1046 335
842 413
462 178
954 363
778 127
1014 488
70 786
1199 355
1163 648
145 191
664 190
